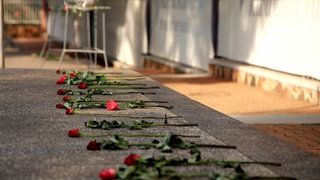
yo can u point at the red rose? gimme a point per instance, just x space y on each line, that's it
82 85
93 145
131 159
74 74
74 132
59 106
62 79
109 173
66 98
65 8
61 92
70 111
112 105
58 71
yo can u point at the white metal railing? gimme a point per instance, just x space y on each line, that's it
22 11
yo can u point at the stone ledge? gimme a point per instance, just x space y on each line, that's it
287 85
284 84
154 62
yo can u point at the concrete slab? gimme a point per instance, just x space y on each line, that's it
34 142
278 118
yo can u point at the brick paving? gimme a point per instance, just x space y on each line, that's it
225 96
304 136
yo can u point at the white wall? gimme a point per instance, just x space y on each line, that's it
126 33
282 35
181 31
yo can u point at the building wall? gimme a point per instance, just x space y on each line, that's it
126 30
181 31
277 34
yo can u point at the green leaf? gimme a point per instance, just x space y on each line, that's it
195 155
84 75
115 143
101 80
105 125
67 105
125 173
92 124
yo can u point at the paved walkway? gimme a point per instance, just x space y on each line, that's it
227 97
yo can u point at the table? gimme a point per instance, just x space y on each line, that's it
89 49
95 50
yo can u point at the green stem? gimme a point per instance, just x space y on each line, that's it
197 145
136 135
216 146
125 87
166 107
122 76
73 92
185 124
123 84
272 177
204 162
191 175
116 100
134 92
127 116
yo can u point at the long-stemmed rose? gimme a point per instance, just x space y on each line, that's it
112 105
123 87
194 159
88 98
170 141
155 168
74 133
109 74
97 91
137 125
71 111
89 78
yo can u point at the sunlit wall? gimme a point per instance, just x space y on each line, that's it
126 33
181 31
279 34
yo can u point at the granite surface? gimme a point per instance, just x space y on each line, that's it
34 142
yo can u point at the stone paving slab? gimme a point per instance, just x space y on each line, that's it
279 118
34 142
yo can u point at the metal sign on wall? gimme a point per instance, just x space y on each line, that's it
181 31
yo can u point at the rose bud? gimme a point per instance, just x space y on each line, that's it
74 133
131 159
107 174
112 105
82 85
74 74
59 106
93 145
70 111
66 98
61 92
61 80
